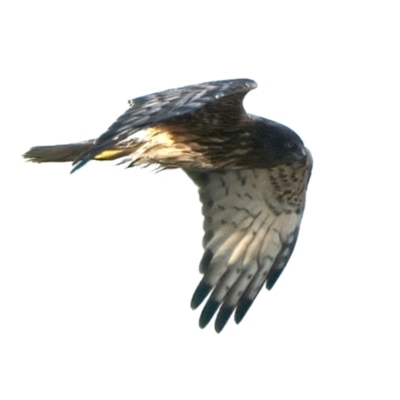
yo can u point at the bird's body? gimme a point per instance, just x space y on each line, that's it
252 175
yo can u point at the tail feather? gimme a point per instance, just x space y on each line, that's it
165 146
58 153
70 152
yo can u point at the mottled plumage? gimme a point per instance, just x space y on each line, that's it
252 175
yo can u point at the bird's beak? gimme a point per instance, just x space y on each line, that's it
301 155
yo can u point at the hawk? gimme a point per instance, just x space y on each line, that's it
252 174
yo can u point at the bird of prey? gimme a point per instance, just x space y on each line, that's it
252 174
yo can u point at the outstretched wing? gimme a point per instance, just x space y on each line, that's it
251 222
200 106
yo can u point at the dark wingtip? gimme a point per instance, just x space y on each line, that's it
222 318
206 260
242 309
208 312
202 291
272 277
78 165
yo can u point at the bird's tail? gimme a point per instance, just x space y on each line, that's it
164 146
71 152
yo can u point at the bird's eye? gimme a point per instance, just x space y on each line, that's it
290 145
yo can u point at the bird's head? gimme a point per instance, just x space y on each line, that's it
276 144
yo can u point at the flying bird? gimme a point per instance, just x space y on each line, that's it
252 174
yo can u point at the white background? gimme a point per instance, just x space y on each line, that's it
98 268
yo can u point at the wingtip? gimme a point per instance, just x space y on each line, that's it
242 309
201 292
223 317
252 84
208 312
78 165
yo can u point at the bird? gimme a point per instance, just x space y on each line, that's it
252 175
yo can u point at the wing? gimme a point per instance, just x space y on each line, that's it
251 222
188 109
189 127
